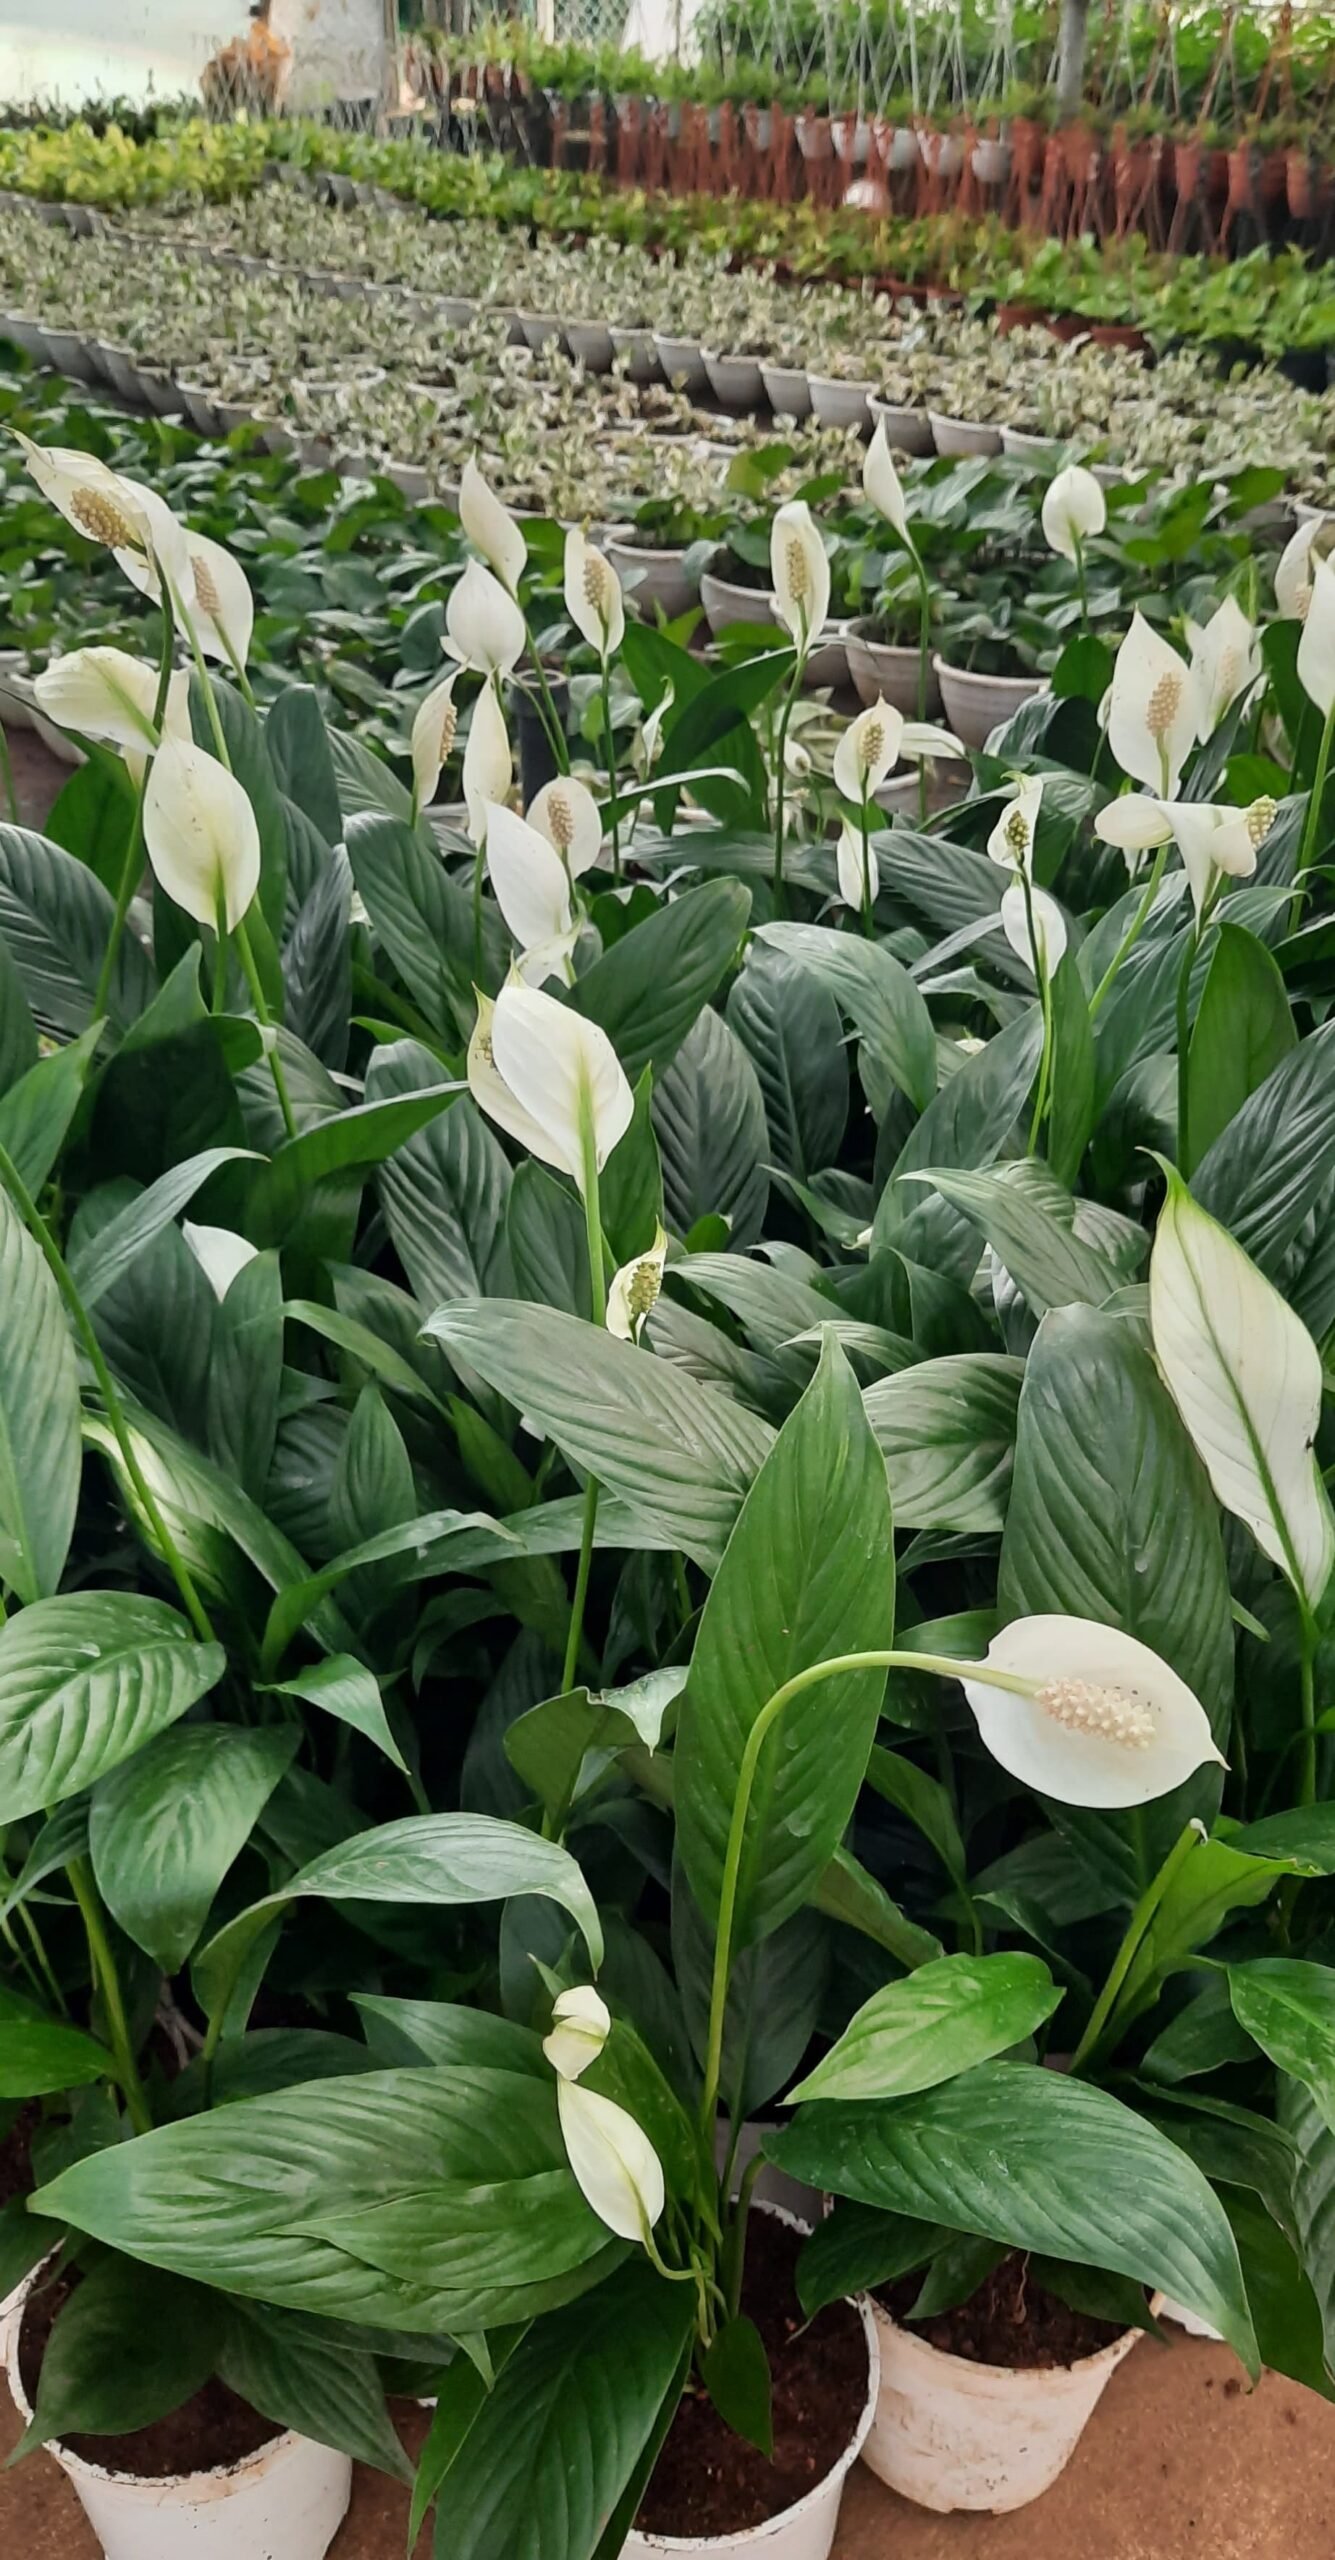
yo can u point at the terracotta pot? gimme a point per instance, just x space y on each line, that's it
1119 333
975 704
1298 183
725 603
1018 315
815 139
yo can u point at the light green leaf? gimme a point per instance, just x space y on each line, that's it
343 1687
945 2018
1288 2008
166 1826
84 1681
41 1449
40 2055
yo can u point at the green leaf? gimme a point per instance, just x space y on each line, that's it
1028 1220
547 2457
57 919
36 1113
1213 1880
1275 1160
883 1003
945 2018
416 2199
1243 1029
1071 1114
709 1118
438 1859
966 1124
298 2372
39 2056
119 1244
549 1743
680 1454
648 989
808 1573
925 1802
854 2249
166 1826
89 2384
1288 2008
85 1681
343 1687
1313 2196
346 1143
444 1191
947 1430
18 1031
847 1892
1038 2161
41 1447
790 1023
735 2372
1283 2305
298 746
245 1374
421 916
425 1543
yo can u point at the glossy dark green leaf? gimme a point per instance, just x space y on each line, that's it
89 2383
298 2372
56 919
347 1142
790 1023
1288 2007
649 988
947 1430
85 1680
343 1687
735 2372
709 1118
166 1826
444 1190
41 1450
874 989
940 2021
1243 1029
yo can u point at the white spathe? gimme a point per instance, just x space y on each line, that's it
613 2161
581 2025
484 628
800 572
1109 1723
1153 718
219 1253
1074 510
1225 661
530 880
564 1075
435 725
201 835
1011 842
1293 571
224 608
868 749
856 866
491 528
488 765
635 1290
593 595
1035 928
105 693
1245 1376
882 484
130 520
566 813
1316 649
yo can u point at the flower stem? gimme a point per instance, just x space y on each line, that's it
55 1262
1045 1004
781 775
1102 2014
1312 821
593 1228
257 997
107 1982
609 749
551 722
134 850
867 925
7 778
1184 1047
1307 1674
1132 934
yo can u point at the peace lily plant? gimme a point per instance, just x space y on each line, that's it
663 1459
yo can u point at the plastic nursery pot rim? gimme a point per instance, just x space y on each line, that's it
162 2484
754 2537
1008 2375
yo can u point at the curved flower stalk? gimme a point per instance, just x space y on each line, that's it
1153 710
1032 922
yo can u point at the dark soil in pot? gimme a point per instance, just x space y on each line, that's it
16 2178
210 2432
710 2481
1010 2321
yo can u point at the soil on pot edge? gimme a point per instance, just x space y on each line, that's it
710 2481
209 2432
16 2178
1010 2320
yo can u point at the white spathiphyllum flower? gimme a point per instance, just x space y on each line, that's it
219 1253
105 693
224 608
593 595
201 834
1293 572
532 889
435 725
1109 1723
800 572
491 528
612 2159
1216 842
581 2025
488 765
882 484
1225 661
634 1293
1039 920
1074 510
489 1089
856 866
563 1076
566 813
1316 649
484 628
131 521
1245 1376
1137 824
867 751
1011 842
1153 717
647 744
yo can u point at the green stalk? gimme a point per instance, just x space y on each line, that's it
1313 818
1102 2014
134 850
1081 587
557 739
867 925
1045 1004
1183 1012
593 1228
107 1982
55 1262
1132 934
252 976
609 746
479 865
1307 1765
924 657
781 776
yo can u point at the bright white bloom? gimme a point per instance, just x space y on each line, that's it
581 2025
882 484
201 834
613 2161
856 866
223 612
1225 661
1074 510
1011 842
484 628
133 522
532 888
1109 1724
551 1079
1316 649
491 528
1048 928
1137 824
566 813
647 743
867 750
488 768
1153 719
1212 839
435 725
105 693
593 595
1293 571
219 1253
800 573
634 1293
1245 1376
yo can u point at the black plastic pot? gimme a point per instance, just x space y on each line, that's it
524 707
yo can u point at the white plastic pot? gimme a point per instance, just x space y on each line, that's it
590 343
726 603
736 381
838 403
957 436
541 328
1191 2321
640 354
1023 447
990 160
803 2532
285 2502
975 704
787 389
652 578
908 430
884 672
951 2434
683 364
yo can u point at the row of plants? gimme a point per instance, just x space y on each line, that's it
1259 304
663 1457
